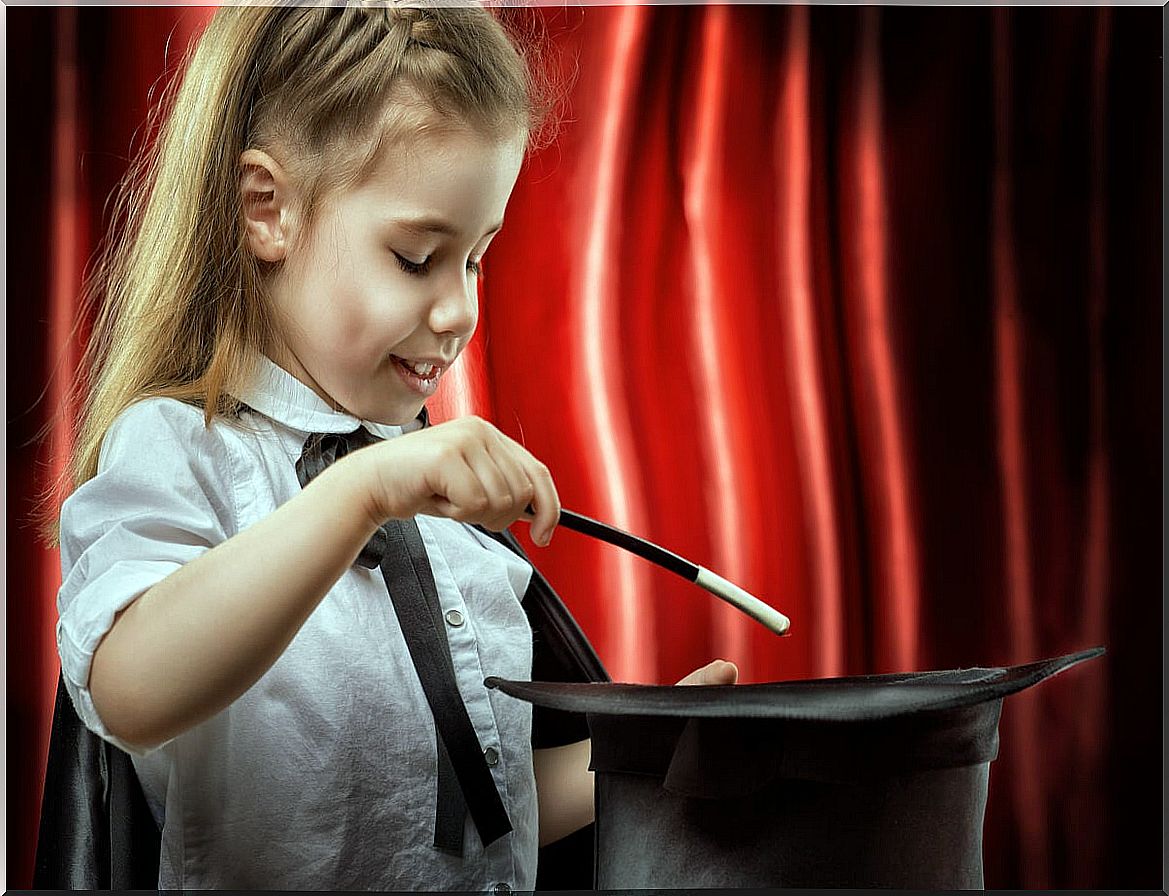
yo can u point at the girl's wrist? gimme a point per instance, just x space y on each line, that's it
353 483
365 488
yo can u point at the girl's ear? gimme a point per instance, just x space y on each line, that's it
266 193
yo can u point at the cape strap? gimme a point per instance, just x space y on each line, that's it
465 782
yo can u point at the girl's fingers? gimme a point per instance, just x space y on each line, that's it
510 458
531 485
546 503
454 488
716 672
472 472
488 493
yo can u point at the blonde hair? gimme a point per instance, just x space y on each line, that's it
182 312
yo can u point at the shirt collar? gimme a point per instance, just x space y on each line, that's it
278 395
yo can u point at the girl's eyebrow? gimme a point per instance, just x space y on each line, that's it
427 225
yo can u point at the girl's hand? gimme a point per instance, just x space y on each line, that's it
464 469
716 672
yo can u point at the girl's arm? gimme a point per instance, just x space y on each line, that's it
564 789
197 640
564 784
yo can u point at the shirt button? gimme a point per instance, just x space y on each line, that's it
492 756
502 889
454 618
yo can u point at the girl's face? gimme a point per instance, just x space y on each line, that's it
378 295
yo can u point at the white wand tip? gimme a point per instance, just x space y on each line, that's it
745 601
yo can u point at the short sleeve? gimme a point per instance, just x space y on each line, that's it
163 494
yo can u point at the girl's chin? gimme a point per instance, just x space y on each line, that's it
397 415
382 402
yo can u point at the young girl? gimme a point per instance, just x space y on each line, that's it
303 261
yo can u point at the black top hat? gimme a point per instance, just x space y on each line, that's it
867 781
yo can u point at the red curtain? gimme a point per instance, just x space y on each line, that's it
856 306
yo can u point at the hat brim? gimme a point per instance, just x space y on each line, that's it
856 698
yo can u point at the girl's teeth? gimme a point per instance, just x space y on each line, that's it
423 369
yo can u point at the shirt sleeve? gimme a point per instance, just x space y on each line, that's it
163 494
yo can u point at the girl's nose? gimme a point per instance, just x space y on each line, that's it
456 308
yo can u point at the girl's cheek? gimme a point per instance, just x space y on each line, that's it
352 330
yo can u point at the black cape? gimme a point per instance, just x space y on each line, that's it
97 832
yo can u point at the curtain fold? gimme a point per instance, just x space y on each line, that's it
854 306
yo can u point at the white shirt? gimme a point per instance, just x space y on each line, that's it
323 774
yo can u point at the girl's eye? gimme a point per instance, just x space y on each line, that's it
413 267
475 267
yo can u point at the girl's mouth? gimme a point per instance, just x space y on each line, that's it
420 376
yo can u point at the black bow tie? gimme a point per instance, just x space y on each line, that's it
465 782
324 449
321 450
